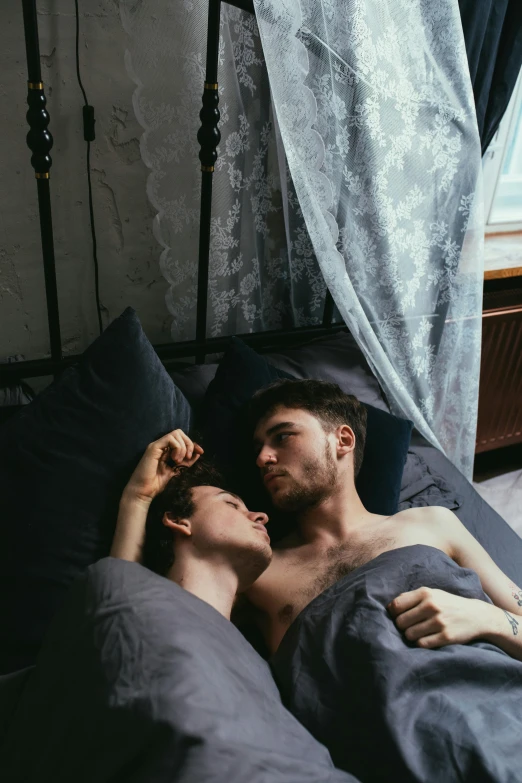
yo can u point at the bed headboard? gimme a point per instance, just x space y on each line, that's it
40 142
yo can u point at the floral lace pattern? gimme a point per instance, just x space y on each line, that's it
377 118
263 273
349 156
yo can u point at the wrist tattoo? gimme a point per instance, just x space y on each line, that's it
512 622
516 592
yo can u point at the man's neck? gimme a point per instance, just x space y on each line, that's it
215 583
337 518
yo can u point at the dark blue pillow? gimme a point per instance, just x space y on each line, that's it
64 460
240 374
387 442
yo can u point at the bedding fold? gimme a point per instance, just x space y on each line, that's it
388 710
140 681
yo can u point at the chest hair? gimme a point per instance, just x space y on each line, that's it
313 578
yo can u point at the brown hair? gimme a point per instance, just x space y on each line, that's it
177 499
326 401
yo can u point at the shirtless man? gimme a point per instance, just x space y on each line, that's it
176 518
309 439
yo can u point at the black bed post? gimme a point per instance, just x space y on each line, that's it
209 138
328 309
40 141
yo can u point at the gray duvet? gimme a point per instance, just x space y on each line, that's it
141 682
388 710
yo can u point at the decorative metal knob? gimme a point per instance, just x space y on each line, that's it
39 139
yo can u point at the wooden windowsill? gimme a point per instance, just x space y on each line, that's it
495 274
502 255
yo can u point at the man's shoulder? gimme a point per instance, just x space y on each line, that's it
426 513
434 525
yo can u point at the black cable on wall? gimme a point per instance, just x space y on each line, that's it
89 136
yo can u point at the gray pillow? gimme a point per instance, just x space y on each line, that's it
423 486
335 358
193 380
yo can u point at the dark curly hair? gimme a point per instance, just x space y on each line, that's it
326 401
176 498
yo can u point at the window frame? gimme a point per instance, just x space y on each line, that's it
493 163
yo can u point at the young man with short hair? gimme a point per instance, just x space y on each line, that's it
380 707
177 519
144 681
309 440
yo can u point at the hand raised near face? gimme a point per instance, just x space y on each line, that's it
160 462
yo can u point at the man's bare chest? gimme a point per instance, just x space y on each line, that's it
298 577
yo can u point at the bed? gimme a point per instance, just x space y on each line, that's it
72 450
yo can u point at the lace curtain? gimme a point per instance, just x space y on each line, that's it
369 180
263 273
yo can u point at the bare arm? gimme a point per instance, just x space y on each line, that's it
434 618
160 462
503 621
129 535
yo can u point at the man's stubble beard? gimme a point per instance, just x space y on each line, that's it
319 479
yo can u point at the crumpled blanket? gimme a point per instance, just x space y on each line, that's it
388 710
140 681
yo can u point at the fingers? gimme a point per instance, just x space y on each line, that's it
187 452
188 444
422 622
433 641
177 447
426 628
407 601
413 616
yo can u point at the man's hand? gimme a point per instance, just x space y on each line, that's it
435 618
160 462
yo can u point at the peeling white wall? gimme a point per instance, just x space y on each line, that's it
127 251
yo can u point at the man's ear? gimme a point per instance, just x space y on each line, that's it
177 524
345 439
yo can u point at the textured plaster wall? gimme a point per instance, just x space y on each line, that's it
127 251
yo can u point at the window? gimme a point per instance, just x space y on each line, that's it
502 167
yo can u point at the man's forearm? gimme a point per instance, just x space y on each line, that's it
504 629
130 529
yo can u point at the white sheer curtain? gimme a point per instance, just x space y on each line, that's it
263 271
380 193
374 102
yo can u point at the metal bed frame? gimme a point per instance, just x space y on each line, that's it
40 142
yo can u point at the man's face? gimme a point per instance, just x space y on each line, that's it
296 459
221 525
